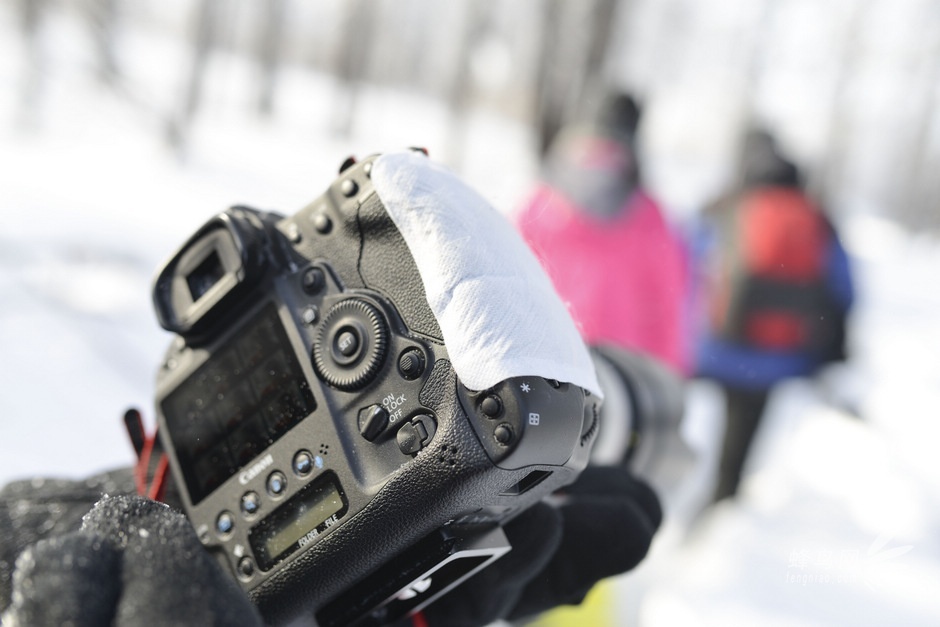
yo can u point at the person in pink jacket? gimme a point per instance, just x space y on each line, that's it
604 241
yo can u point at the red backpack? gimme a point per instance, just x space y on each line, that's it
770 282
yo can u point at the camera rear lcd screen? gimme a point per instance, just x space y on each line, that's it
239 402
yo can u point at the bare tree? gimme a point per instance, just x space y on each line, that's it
827 177
460 90
570 75
101 16
269 53
205 36
922 205
551 75
352 62
30 91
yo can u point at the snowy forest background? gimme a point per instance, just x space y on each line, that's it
125 124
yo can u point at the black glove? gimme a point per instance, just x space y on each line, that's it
132 562
602 526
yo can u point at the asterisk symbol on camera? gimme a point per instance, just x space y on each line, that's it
525 388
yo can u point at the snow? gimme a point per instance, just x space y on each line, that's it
837 520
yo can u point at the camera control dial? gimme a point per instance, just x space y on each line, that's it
351 344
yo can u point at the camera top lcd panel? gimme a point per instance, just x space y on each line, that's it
314 425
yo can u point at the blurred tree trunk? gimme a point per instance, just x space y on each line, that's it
551 75
30 13
461 88
269 53
570 75
352 63
828 175
206 31
594 81
922 203
102 22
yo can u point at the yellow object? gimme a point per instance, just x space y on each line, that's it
597 610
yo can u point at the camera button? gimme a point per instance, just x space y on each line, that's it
314 281
225 523
277 483
414 435
409 440
251 503
322 223
503 434
246 568
491 406
293 233
348 188
310 314
347 343
351 343
303 463
411 364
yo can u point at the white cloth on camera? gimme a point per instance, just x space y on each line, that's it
498 311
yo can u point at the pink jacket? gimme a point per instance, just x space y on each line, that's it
624 279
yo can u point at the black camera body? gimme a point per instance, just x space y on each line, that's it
323 446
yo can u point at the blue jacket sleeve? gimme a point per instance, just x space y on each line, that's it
839 276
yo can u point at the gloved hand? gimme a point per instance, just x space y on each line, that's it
137 562
133 561
600 526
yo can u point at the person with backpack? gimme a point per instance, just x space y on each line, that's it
604 240
622 270
776 291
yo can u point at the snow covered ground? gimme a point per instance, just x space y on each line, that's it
839 516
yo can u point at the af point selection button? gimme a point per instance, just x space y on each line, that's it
411 364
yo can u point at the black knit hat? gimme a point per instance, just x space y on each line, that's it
619 115
763 164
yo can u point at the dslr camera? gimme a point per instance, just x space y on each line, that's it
321 443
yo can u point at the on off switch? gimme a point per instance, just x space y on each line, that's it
372 421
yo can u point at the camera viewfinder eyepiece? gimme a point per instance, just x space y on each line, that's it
210 272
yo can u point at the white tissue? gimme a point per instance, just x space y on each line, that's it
498 311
